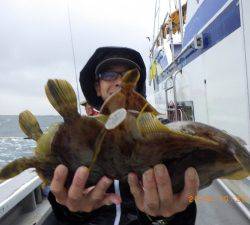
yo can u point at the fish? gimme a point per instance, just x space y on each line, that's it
125 137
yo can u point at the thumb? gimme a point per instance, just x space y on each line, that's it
112 198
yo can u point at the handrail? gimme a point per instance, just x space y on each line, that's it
16 189
240 205
173 76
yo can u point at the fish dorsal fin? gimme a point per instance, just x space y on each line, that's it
29 125
149 124
127 97
62 97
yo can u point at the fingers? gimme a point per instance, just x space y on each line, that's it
190 189
151 197
76 189
164 186
57 184
97 194
111 199
136 190
79 198
191 182
157 198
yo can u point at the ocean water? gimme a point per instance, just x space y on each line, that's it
13 144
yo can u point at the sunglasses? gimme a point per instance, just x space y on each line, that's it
110 75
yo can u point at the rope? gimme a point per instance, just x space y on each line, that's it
74 58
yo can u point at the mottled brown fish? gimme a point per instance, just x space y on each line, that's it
127 137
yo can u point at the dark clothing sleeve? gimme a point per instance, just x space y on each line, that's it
63 214
187 217
105 216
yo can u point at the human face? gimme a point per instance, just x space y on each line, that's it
105 88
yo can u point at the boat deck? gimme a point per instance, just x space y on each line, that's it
213 208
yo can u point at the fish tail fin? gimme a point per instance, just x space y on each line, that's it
62 97
242 155
239 175
29 125
17 166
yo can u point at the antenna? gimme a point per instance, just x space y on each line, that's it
74 58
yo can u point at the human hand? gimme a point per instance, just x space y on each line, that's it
155 196
77 197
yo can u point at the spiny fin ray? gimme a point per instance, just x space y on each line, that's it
149 124
130 79
63 98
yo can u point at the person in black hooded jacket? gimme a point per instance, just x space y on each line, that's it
145 202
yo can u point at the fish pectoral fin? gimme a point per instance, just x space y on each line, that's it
29 125
62 97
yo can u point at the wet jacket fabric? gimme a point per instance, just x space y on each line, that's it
130 215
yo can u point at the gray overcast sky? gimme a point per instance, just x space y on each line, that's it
35 43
